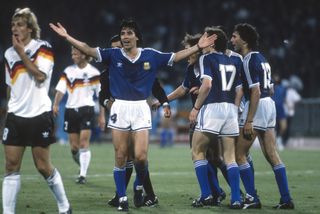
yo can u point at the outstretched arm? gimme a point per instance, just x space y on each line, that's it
61 31
204 42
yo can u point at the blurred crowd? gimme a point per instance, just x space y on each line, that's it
288 29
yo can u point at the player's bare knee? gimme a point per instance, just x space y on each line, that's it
44 170
12 166
141 157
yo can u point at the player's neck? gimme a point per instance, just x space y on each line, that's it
82 64
26 41
245 51
132 52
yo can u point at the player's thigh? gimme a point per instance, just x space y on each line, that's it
85 135
41 158
200 142
268 143
120 144
242 146
229 149
141 139
131 146
13 157
74 140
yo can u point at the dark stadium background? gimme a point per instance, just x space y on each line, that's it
289 29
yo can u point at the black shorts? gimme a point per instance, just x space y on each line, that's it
77 119
34 131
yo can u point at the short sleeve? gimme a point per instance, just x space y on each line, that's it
44 59
62 84
205 68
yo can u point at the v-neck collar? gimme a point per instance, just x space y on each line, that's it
132 60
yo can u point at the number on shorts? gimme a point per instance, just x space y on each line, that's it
65 125
113 118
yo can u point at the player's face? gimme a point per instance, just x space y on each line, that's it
128 38
77 56
20 30
116 44
237 42
192 58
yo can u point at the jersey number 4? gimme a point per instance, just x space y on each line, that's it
224 69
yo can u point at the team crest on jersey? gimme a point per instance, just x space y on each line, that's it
119 64
85 78
146 66
28 52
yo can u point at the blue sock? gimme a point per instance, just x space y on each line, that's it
119 176
141 171
234 181
282 181
201 168
247 178
213 180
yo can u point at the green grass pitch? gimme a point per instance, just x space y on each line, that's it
173 178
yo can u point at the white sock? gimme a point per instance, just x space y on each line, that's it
85 158
56 186
10 188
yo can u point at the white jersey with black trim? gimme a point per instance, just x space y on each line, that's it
29 98
81 84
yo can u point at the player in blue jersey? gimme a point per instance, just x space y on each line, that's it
216 115
132 71
191 85
106 100
258 118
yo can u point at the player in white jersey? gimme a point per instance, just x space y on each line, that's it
132 73
258 118
28 65
81 82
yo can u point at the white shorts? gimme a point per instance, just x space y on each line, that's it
218 118
130 115
265 117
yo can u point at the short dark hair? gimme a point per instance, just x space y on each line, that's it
191 39
130 23
221 42
248 33
114 38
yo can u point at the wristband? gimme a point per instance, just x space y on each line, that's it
198 109
249 121
105 102
200 49
165 104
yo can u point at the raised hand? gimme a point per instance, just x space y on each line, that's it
59 29
206 41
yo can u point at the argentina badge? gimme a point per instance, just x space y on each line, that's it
146 66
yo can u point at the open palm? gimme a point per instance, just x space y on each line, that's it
206 40
59 29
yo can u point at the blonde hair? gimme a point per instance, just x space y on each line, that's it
30 18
